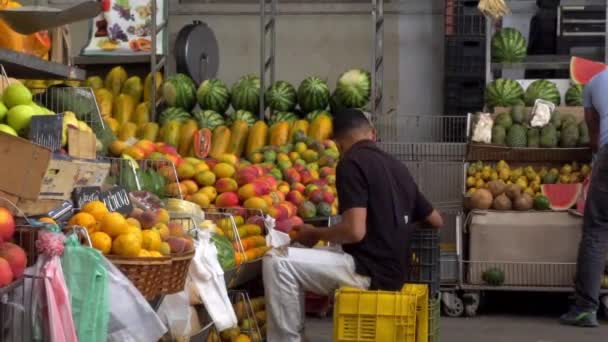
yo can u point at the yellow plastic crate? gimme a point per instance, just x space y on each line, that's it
375 316
421 291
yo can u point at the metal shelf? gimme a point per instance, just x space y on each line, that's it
127 59
20 65
537 62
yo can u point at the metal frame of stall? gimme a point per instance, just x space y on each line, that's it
268 43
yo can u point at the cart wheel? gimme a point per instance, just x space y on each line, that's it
452 304
471 304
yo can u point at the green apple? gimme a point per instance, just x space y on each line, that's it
19 117
7 129
3 111
16 94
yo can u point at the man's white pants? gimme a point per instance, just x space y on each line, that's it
286 277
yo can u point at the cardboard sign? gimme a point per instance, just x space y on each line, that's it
85 194
117 199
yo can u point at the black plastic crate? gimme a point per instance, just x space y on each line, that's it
464 92
462 18
465 57
425 263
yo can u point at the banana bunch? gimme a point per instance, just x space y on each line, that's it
495 9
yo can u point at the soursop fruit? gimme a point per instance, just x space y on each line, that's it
518 113
569 135
516 137
568 119
583 134
499 134
533 137
556 119
504 120
548 136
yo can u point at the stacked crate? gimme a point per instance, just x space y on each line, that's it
465 57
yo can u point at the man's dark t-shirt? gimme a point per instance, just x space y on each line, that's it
368 177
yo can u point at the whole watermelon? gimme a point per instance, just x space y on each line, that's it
242 115
180 91
503 92
574 95
173 114
246 94
542 89
281 96
354 88
313 94
213 95
313 115
208 119
508 46
282 116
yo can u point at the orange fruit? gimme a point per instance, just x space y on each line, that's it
102 242
114 224
162 215
47 220
96 208
190 185
127 245
251 254
242 338
133 222
144 254
151 240
135 230
85 220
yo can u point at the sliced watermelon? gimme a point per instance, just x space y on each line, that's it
580 204
582 70
562 196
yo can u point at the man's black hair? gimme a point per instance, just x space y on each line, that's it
348 119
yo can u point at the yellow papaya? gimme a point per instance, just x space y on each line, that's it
219 141
186 136
94 82
115 79
321 128
279 133
257 137
300 125
148 86
126 131
238 137
133 88
149 131
105 101
10 39
142 114
112 123
123 108
169 133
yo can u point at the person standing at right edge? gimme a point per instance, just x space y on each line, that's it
594 243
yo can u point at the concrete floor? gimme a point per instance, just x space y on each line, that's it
504 317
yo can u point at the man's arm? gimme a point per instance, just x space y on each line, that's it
593 123
435 220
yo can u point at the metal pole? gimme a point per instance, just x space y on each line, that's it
153 63
377 72
267 58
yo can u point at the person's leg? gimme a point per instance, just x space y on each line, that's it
287 277
592 250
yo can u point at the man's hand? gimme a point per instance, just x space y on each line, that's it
305 234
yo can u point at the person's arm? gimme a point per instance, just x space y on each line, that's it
592 118
424 213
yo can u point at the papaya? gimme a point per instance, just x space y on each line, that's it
142 114
279 133
123 108
115 79
126 131
238 137
149 131
219 141
133 87
257 137
94 82
112 124
300 125
10 39
186 135
148 86
169 133
321 128
105 101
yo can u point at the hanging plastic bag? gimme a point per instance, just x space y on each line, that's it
207 278
179 316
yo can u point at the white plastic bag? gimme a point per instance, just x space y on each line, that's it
541 113
132 319
179 316
482 132
275 238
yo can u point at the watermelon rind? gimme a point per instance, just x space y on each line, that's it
509 46
542 89
582 70
313 94
242 115
503 92
173 114
281 96
574 95
208 119
562 196
246 94
282 116
180 91
353 89
213 95
313 115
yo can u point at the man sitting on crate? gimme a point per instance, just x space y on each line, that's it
379 203
594 243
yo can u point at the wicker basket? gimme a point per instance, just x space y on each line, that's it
144 273
174 277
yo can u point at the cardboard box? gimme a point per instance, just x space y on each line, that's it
532 248
28 207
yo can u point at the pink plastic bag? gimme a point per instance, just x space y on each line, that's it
60 322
